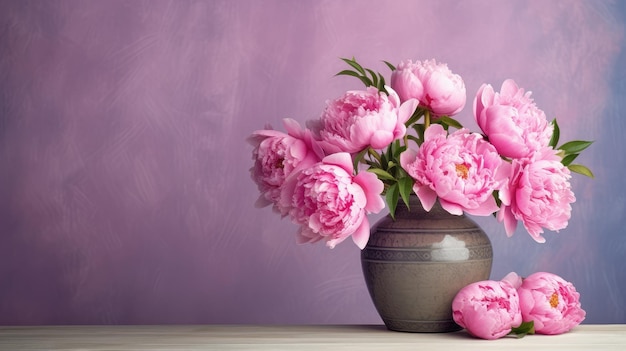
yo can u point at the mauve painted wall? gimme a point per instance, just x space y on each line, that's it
125 195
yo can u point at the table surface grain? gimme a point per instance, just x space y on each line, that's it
292 337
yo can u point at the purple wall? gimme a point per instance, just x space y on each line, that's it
125 195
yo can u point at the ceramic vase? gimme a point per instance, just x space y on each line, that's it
414 265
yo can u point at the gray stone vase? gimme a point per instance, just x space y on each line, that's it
415 265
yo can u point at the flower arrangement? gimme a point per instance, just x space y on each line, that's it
398 139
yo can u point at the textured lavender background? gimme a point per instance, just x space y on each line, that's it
125 195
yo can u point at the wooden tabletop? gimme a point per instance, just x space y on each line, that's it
292 337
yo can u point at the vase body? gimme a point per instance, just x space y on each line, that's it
414 266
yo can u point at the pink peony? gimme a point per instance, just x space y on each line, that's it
511 121
360 119
538 194
461 169
433 84
487 309
277 155
550 302
330 203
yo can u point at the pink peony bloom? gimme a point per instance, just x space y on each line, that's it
330 203
511 121
487 309
538 194
550 302
462 169
276 156
360 119
433 84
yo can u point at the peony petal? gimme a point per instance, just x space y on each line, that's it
484 100
426 195
287 191
486 208
306 235
373 187
510 223
298 149
262 201
513 279
392 96
293 128
268 133
503 176
478 105
358 194
341 159
362 234
501 119
508 145
381 139
509 88
331 147
404 82
433 131
257 137
535 233
451 207
406 158
334 242
406 110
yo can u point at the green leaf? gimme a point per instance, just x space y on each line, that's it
374 78
354 65
574 147
405 185
391 197
414 138
391 149
357 159
556 134
496 196
526 328
390 166
347 72
568 159
449 122
374 154
391 67
382 174
420 129
416 116
580 169
366 81
384 161
401 149
363 79
381 83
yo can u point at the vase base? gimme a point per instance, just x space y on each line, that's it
421 326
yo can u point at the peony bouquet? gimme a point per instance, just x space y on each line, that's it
374 147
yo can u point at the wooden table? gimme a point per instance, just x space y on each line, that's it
292 337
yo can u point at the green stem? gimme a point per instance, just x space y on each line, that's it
374 154
426 119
